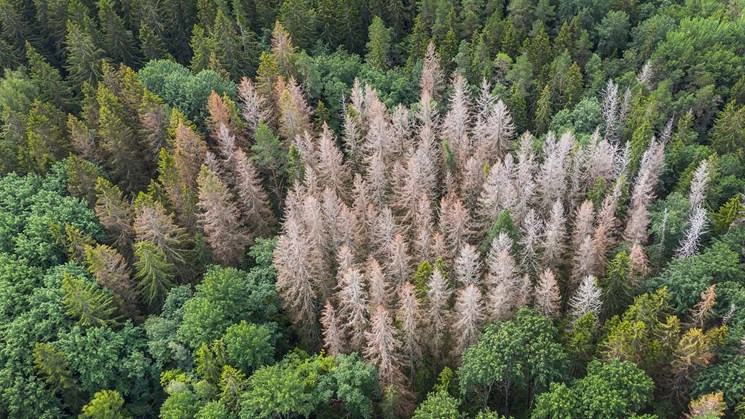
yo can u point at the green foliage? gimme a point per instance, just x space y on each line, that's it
518 354
379 45
155 274
183 90
226 296
616 389
106 404
438 404
248 346
87 303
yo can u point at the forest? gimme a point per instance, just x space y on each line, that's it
372 209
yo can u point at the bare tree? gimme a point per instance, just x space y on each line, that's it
547 297
333 337
353 299
586 299
468 319
467 266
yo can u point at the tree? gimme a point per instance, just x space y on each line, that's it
382 349
613 390
220 219
729 129
83 56
518 354
111 272
225 297
46 133
90 305
613 31
379 44
155 274
104 405
249 346
438 404
53 366
617 285
53 88
119 42
547 295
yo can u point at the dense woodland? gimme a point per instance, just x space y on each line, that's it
372 208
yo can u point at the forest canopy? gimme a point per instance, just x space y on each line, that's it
368 208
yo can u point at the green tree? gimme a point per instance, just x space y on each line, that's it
90 305
83 56
543 112
106 404
729 130
521 354
117 39
617 285
613 32
249 346
226 296
53 366
154 273
46 133
379 44
617 389
52 87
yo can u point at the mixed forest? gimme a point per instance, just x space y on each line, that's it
372 209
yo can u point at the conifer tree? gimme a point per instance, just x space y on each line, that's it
119 41
382 349
111 272
252 198
333 338
353 308
379 44
468 318
46 133
467 267
89 305
220 219
380 290
52 87
53 366
587 299
295 277
547 296
154 273
115 214
154 224
408 318
437 313
83 56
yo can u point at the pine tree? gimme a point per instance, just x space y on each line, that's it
52 87
111 272
333 338
617 285
408 318
220 219
379 44
154 224
253 201
154 273
46 133
89 305
295 277
83 56
353 308
119 41
729 130
437 313
53 366
547 295
382 349
467 267
587 299
468 319
115 214
543 113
